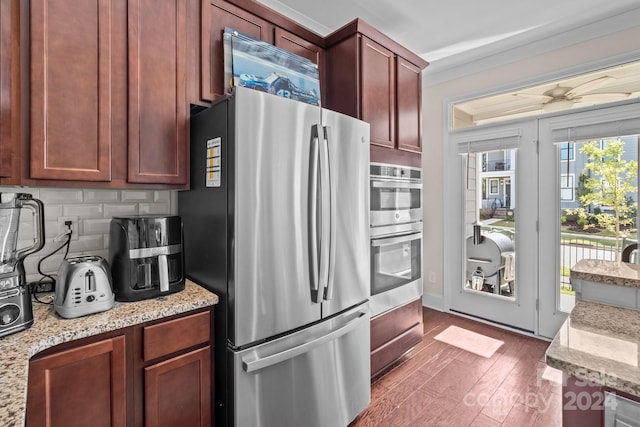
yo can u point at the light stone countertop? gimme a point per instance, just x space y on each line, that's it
599 343
49 329
607 272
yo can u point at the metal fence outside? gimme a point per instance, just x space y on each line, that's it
573 248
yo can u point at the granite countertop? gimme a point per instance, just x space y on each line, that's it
49 329
599 343
607 272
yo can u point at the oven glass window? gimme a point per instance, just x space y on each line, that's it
395 261
394 198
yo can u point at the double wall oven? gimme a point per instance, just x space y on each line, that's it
396 236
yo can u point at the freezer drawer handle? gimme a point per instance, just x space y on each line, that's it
265 362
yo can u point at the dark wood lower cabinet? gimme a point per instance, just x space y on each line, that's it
127 377
178 391
587 404
83 386
394 333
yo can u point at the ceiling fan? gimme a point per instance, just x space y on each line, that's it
564 97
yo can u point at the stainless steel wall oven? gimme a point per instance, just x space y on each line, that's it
396 236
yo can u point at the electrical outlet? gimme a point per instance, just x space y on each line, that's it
432 277
62 226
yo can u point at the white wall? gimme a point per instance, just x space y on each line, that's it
512 73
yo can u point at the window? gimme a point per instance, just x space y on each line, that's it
494 187
567 151
567 188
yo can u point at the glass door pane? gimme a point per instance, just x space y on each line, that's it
587 199
598 203
490 224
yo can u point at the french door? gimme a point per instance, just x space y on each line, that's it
576 199
491 232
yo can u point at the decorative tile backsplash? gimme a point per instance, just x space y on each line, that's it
94 209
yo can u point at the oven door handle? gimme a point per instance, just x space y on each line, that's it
394 240
395 184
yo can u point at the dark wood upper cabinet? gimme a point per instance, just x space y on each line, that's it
301 47
371 77
72 97
216 15
256 21
9 91
408 117
158 106
378 100
9 88
109 92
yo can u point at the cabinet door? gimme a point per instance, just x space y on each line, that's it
299 46
378 86
216 15
83 386
71 90
158 106
409 106
178 391
8 84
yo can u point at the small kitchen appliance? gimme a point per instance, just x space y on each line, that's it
16 313
146 257
83 287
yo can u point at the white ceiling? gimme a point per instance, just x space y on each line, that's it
437 29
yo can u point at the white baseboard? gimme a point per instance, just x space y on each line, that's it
433 301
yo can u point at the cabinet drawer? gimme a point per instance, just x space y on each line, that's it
174 335
390 325
389 352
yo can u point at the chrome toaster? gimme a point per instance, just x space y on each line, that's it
83 287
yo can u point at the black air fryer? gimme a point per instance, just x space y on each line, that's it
146 257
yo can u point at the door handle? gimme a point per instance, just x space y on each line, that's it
267 361
313 209
325 217
332 217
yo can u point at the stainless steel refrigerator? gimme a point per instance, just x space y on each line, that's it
276 223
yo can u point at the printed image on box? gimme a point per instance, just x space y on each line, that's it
260 66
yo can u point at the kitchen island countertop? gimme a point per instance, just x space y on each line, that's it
599 343
49 329
607 272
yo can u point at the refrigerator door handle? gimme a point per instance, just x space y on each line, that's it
261 363
313 209
332 218
325 216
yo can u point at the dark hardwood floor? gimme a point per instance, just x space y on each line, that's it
438 384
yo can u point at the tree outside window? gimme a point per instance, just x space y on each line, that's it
607 185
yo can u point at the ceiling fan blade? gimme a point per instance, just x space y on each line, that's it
533 96
589 86
504 115
602 97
